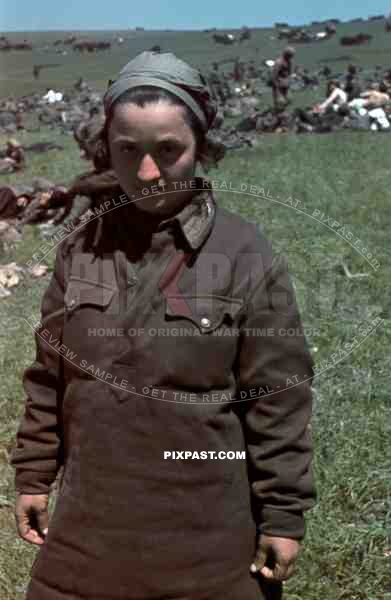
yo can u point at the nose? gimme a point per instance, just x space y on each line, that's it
148 169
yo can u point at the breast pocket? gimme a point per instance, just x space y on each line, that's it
82 292
208 313
198 344
91 320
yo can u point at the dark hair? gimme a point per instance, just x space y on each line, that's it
208 149
383 87
332 82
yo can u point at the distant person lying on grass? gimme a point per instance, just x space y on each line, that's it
314 121
41 202
13 201
14 159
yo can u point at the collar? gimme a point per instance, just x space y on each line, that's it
195 219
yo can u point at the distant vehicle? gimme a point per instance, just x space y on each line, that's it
224 38
91 46
6 45
301 36
355 40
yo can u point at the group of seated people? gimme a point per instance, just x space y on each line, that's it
348 99
375 97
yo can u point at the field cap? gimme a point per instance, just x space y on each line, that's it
289 51
167 71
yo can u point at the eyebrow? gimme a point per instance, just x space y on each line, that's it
167 138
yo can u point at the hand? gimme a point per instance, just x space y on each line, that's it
32 518
275 557
22 201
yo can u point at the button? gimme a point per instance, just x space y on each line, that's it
132 280
205 322
72 303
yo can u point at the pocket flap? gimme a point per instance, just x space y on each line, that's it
206 312
80 292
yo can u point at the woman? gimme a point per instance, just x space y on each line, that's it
135 517
336 97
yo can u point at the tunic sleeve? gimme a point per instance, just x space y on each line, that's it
276 368
37 455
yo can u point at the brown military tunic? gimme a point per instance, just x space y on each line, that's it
130 524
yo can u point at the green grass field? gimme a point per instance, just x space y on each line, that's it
347 552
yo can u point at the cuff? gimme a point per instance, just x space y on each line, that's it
33 482
282 523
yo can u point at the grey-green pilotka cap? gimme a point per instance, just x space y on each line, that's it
166 71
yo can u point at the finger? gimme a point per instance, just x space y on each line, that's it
42 521
26 532
33 537
22 522
283 571
267 573
259 560
25 524
280 572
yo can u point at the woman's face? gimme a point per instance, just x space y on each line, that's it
153 152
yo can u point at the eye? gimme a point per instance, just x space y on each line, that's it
127 148
168 150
